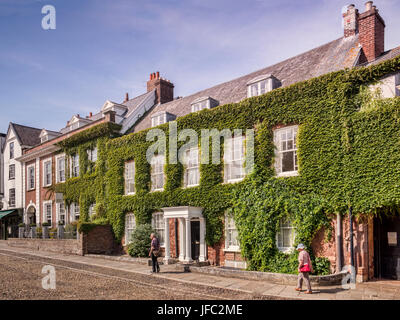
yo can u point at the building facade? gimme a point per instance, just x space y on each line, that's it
84 172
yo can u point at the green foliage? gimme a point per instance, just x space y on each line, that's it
258 208
140 245
321 266
348 154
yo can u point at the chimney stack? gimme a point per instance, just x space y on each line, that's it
164 88
126 97
371 33
350 21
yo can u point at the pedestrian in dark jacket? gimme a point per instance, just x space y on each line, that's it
154 252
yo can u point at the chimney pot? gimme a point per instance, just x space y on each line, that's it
90 114
368 5
158 74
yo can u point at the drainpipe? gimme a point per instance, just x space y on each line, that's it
339 246
351 245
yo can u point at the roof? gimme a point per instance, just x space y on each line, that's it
27 136
333 56
387 55
134 103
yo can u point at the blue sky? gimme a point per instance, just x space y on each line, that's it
104 48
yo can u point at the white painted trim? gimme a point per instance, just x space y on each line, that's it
44 161
33 165
45 203
65 167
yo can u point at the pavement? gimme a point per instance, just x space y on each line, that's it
374 290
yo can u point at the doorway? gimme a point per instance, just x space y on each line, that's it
195 238
387 247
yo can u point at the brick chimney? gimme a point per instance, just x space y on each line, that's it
350 21
371 33
164 88
126 97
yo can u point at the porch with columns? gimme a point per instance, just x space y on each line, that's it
185 216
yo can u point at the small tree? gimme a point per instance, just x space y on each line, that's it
140 245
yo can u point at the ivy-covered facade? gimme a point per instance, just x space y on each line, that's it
321 147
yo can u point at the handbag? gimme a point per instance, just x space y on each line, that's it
305 268
156 252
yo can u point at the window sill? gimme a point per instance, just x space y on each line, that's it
235 250
192 185
157 190
288 174
286 250
28 190
234 180
129 194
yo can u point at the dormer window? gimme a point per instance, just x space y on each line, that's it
203 103
161 118
46 135
262 84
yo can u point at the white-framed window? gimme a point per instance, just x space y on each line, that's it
92 209
130 225
158 119
192 168
31 177
11 197
75 165
198 106
129 177
44 138
47 211
11 172
234 157
60 169
47 173
92 154
231 234
61 217
75 211
258 88
157 173
11 150
286 151
285 236
158 225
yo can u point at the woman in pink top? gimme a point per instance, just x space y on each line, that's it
305 267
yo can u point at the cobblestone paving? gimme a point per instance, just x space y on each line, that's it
21 278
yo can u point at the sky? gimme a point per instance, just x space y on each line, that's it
102 49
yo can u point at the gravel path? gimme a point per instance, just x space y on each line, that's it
21 278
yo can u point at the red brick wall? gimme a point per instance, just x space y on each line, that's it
172 246
363 245
216 254
99 240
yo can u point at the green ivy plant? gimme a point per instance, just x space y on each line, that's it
348 155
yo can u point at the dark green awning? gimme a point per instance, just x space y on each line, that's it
5 213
